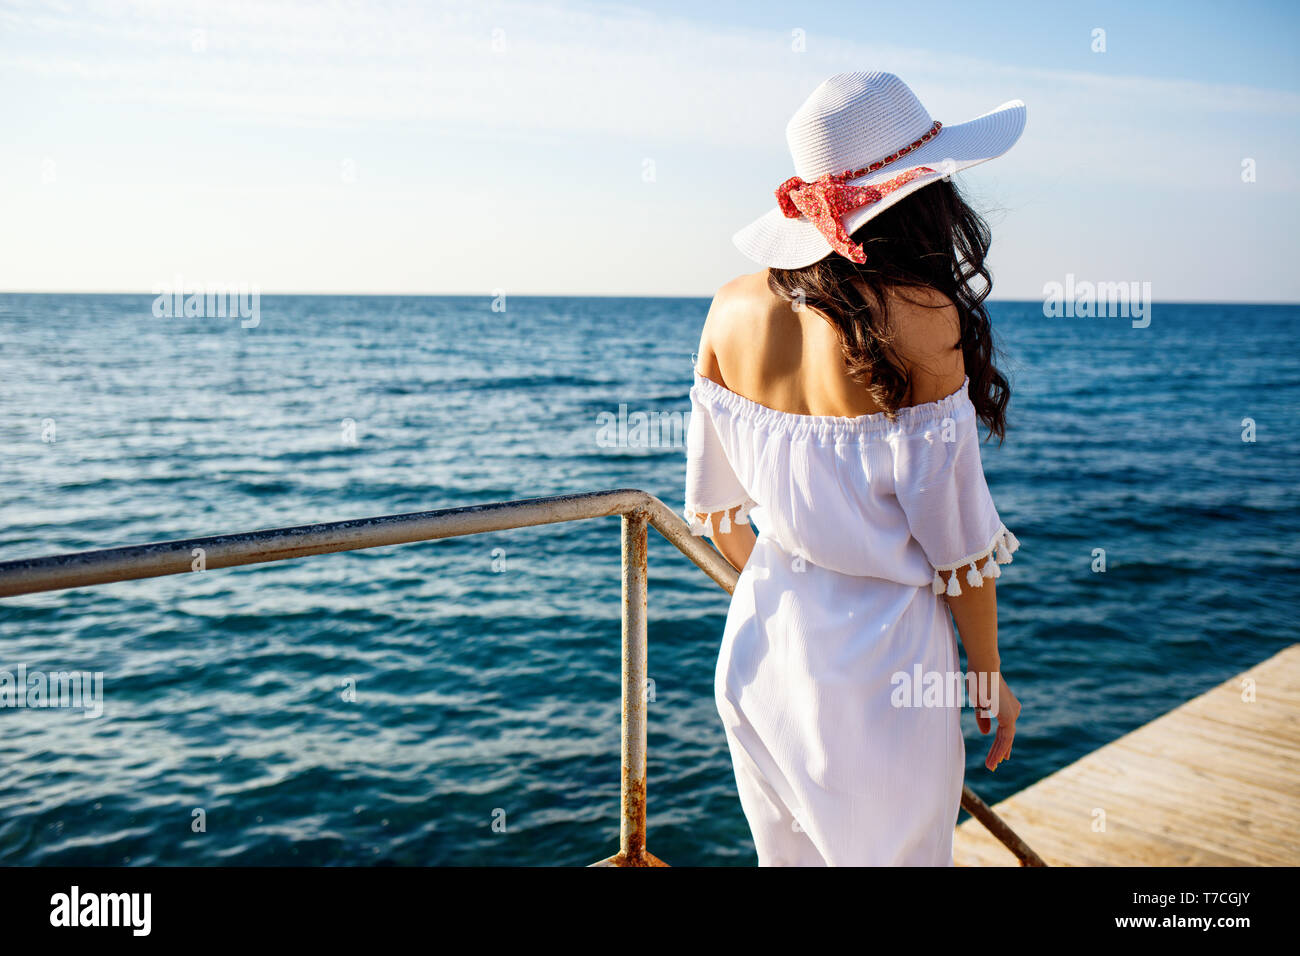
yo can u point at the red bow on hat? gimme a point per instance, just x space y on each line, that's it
830 198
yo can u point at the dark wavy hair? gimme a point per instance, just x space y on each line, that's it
930 239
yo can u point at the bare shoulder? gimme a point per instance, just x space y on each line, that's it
926 331
739 309
742 296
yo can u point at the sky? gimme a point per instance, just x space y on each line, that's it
613 148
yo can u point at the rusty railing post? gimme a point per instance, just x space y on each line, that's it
632 829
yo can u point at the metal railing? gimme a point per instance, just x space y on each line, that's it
638 509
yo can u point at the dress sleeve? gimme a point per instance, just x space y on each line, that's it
711 482
939 482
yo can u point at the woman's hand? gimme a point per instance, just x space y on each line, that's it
1002 706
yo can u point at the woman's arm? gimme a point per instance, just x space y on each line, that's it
736 544
975 612
928 343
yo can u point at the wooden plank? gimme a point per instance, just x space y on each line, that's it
1215 782
1130 813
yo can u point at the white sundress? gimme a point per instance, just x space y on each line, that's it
841 595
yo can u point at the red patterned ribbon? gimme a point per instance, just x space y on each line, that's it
830 198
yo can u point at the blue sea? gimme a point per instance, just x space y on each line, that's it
390 706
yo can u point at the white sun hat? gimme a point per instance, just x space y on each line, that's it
860 143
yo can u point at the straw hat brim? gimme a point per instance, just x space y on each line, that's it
773 240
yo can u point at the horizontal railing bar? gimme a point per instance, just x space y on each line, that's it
83 568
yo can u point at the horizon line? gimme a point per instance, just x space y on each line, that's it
566 295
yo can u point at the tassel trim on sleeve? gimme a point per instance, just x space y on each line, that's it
698 519
999 551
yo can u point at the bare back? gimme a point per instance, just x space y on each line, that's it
758 345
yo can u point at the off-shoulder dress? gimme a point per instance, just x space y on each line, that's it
838 659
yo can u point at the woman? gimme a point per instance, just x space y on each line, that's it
837 396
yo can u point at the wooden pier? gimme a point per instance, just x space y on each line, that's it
1215 782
